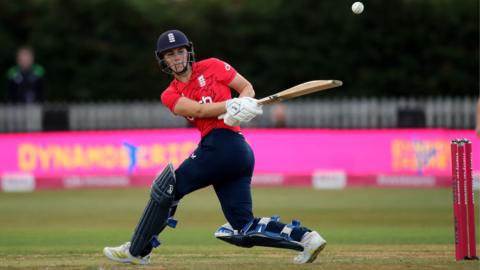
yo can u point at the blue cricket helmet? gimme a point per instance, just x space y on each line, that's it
172 39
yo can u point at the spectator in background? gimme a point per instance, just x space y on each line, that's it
25 80
279 115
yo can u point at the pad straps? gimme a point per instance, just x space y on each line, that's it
262 226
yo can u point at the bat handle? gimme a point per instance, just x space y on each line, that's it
269 100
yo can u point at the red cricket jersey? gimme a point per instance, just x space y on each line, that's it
208 83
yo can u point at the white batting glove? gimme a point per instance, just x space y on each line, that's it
251 105
233 106
229 120
243 109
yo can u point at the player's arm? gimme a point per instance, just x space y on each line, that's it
190 108
242 86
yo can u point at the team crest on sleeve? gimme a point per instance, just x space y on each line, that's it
201 81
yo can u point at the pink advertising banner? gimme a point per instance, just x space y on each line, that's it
133 157
400 151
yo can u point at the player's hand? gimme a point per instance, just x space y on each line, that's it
243 109
251 105
229 120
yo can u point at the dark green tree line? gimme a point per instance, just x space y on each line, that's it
103 50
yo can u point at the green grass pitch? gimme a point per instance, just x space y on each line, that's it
365 229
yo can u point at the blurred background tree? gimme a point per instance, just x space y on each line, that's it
97 50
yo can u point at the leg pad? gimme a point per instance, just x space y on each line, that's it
156 213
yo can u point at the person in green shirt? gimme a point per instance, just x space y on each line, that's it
26 80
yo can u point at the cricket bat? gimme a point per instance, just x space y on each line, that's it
300 90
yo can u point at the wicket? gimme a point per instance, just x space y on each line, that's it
463 200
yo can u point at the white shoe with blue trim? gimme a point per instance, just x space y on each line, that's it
312 244
122 254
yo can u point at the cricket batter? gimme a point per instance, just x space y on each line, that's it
200 92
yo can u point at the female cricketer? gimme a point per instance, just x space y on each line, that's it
200 92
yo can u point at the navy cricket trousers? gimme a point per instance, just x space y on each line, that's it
225 160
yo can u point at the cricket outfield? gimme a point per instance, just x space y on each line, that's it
365 229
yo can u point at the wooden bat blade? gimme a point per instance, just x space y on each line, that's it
300 90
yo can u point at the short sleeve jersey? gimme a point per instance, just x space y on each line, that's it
208 83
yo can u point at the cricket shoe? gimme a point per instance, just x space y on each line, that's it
312 244
122 254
